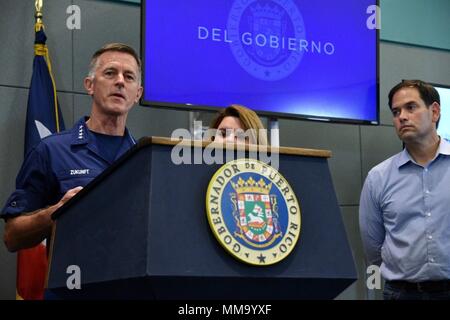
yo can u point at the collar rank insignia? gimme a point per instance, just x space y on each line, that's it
253 212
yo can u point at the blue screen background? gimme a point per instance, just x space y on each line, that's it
180 68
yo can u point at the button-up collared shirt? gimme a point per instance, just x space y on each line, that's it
57 164
404 217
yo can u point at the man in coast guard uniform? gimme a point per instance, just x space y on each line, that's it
61 164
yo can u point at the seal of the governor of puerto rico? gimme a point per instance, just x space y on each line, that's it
253 212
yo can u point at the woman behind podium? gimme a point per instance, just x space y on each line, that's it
238 124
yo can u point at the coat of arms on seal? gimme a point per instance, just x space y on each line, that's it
255 215
253 212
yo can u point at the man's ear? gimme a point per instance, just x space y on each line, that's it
436 109
138 94
89 85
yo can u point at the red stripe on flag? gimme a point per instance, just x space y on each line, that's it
31 272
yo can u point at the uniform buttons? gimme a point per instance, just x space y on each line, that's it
428 214
430 237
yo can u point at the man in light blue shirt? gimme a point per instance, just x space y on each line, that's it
405 202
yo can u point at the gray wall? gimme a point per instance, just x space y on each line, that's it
355 148
400 22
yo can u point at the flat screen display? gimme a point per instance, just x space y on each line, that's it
313 59
444 122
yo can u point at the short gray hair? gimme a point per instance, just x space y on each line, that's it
119 47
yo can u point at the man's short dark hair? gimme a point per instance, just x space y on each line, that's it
427 92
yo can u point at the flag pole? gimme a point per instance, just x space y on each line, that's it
42 50
38 5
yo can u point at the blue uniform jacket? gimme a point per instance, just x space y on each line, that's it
58 163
